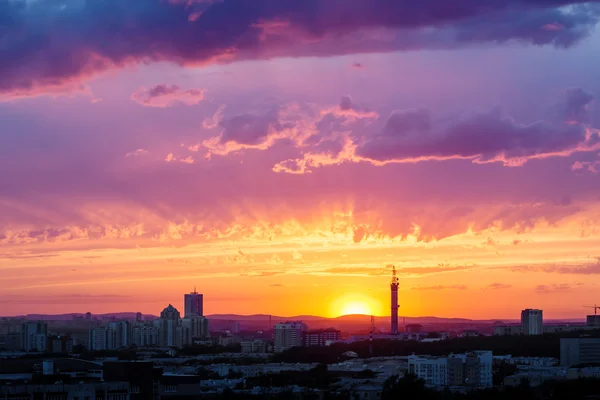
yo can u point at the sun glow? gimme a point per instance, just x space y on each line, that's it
353 304
356 308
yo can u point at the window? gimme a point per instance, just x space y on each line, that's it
170 388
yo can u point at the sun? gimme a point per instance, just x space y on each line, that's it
356 307
355 304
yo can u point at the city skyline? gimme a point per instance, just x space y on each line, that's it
284 164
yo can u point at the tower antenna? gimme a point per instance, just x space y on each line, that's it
394 301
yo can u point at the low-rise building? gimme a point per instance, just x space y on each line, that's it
254 346
574 351
89 391
469 369
321 337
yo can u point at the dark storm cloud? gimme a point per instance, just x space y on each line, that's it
49 43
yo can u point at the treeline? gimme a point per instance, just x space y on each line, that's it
517 346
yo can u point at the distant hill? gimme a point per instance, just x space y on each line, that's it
346 323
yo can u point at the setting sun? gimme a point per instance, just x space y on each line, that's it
355 303
356 308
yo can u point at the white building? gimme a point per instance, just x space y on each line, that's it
433 370
97 340
193 304
469 369
288 335
532 322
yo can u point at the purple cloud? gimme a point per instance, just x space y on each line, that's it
52 45
167 95
413 135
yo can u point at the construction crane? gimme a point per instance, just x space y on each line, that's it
595 307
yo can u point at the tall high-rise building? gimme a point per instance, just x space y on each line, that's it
288 335
118 335
532 322
394 302
34 335
193 328
193 306
97 339
169 327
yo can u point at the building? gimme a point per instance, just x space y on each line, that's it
432 370
97 339
532 322
87 391
193 304
593 321
194 328
469 369
60 344
169 327
321 337
11 341
575 351
255 346
143 378
118 335
508 330
34 335
288 335
413 328
394 302
144 335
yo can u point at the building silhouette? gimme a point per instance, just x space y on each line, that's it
288 335
532 322
193 304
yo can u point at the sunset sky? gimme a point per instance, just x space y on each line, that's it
281 155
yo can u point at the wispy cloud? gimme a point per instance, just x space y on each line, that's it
440 287
498 286
167 96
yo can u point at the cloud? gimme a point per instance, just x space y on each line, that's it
82 39
483 137
582 269
343 134
66 299
259 130
440 287
418 271
170 158
276 285
589 166
554 288
137 153
167 95
188 160
498 286
358 66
